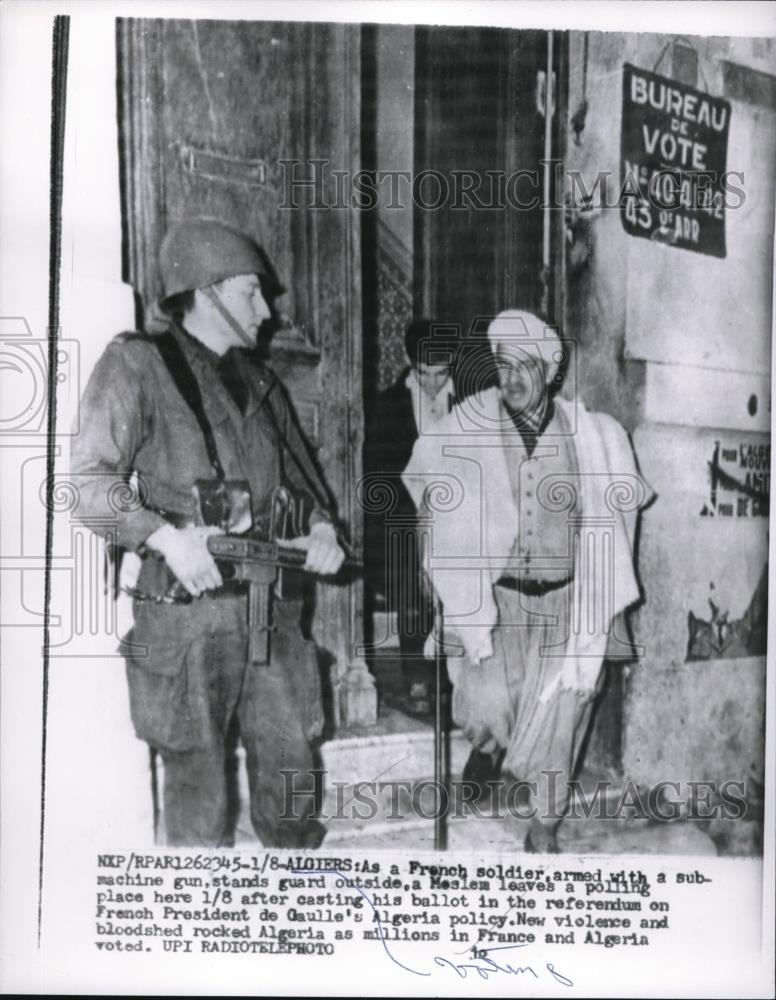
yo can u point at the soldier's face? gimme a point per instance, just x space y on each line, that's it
243 298
522 379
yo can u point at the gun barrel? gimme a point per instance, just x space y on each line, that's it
296 558
237 548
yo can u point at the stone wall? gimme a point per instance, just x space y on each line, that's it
676 344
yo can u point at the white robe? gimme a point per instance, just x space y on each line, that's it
459 473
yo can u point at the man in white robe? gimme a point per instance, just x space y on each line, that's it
532 502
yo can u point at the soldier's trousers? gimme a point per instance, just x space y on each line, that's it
185 709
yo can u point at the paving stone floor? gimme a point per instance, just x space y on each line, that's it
401 747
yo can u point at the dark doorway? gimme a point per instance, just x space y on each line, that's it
477 124
480 128
462 234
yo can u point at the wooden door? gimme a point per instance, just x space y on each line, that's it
480 126
223 118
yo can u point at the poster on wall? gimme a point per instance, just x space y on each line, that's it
674 182
740 480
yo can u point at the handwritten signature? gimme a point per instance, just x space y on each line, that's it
489 966
482 966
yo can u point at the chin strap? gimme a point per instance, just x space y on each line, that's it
215 298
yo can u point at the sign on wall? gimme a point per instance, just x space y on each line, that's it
739 480
674 184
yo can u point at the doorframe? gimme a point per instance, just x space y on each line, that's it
332 294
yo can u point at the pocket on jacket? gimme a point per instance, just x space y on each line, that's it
165 710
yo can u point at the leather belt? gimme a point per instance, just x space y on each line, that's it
532 588
173 517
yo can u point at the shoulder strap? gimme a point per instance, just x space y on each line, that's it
316 488
186 384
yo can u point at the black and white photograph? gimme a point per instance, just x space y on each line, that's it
386 486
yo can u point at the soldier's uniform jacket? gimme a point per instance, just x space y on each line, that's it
135 460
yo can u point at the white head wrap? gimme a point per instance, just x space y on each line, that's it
516 328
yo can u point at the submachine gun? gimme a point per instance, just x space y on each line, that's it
254 555
258 559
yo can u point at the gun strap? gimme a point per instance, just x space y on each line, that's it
310 480
186 384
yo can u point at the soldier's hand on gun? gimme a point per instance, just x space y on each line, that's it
185 552
324 553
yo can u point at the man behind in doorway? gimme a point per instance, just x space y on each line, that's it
420 396
187 666
547 489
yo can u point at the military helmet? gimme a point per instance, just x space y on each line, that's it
197 253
